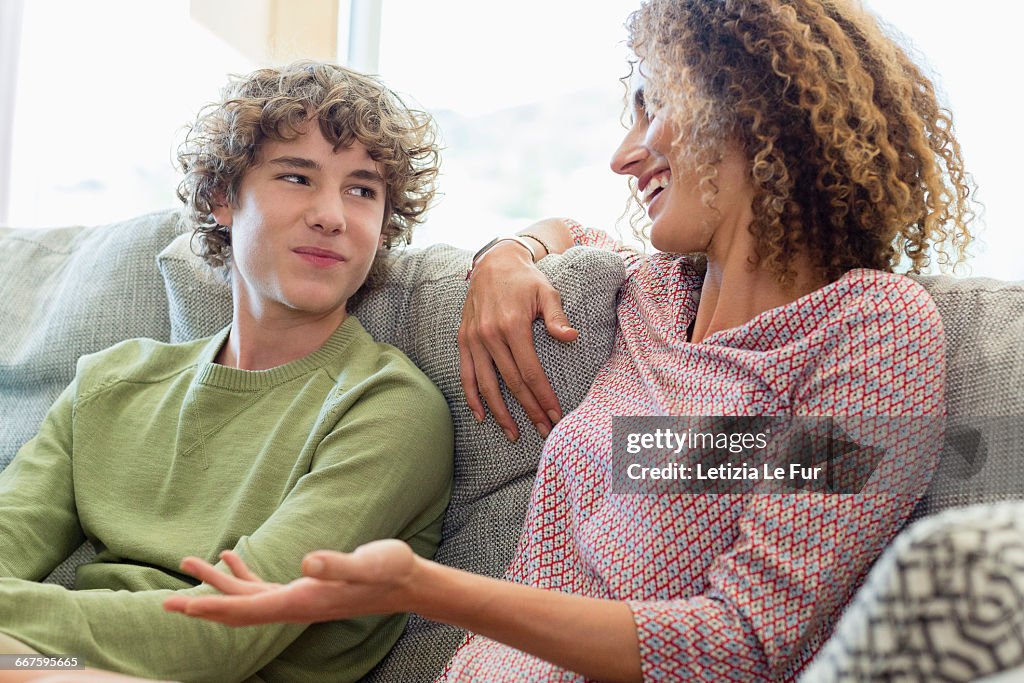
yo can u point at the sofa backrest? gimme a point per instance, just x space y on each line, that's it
65 292
983 457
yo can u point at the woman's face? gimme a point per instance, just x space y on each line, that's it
670 187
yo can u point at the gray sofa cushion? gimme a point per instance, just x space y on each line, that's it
417 307
945 602
65 292
983 458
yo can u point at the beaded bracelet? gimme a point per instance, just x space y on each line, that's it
547 249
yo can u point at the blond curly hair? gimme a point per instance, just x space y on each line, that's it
276 104
852 158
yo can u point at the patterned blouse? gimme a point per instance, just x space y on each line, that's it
740 587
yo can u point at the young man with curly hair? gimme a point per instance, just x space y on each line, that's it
272 438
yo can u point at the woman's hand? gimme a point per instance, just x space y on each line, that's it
506 294
374 579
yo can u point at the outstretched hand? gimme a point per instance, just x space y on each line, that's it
373 579
506 294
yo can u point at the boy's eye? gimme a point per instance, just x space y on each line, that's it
365 192
295 178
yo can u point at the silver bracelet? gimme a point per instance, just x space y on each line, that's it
495 242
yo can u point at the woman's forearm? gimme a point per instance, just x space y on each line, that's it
596 638
546 236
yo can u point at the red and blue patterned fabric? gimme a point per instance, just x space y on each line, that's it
729 587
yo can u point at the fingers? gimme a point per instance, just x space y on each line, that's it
327 565
237 566
536 395
234 610
476 369
467 373
487 382
225 583
513 366
555 320
378 562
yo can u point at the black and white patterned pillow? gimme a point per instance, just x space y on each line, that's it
945 602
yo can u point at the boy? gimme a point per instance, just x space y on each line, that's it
273 438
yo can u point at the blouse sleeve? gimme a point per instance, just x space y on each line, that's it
591 237
799 557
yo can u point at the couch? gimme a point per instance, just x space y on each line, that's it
945 601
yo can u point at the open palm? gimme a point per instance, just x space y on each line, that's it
371 580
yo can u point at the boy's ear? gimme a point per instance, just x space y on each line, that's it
222 209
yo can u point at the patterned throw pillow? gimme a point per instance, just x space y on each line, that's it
944 603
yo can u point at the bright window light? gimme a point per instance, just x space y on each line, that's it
526 94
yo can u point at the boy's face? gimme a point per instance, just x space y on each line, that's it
305 228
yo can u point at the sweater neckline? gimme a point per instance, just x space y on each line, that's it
234 379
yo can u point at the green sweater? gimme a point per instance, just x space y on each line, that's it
154 452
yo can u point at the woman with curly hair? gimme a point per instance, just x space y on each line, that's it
273 437
789 156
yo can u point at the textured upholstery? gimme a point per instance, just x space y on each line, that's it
65 292
983 459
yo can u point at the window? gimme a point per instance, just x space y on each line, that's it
528 98
103 91
526 94
973 54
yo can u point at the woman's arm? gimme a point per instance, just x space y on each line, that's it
596 638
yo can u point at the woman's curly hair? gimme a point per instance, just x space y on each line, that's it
852 158
276 104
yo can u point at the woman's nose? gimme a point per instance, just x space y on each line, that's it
630 154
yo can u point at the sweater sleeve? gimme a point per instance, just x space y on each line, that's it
799 557
368 480
591 237
38 522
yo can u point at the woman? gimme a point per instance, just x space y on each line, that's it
800 152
